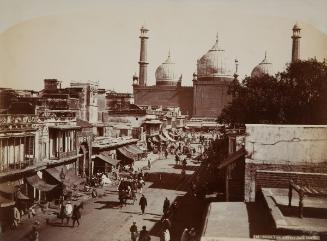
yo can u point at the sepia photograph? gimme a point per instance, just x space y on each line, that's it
170 120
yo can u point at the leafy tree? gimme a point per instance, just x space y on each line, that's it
304 98
296 96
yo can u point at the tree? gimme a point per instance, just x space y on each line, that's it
304 97
296 96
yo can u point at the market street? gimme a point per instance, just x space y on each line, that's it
103 219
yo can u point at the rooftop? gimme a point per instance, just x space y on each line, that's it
286 218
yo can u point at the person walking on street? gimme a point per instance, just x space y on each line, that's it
149 163
166 206
34 234
133 230
68 211
192 235
166 224
143 203
144 235
165 235
76 215
185 235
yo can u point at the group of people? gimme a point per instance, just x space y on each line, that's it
128 187
69 211
143 235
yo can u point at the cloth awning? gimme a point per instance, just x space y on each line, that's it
55 172
20 196
133 148
39 183
5 202
107 159
70 177
123 150
8 187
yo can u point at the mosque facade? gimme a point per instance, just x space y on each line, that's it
209 94
205 99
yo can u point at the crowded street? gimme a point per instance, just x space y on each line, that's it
103 217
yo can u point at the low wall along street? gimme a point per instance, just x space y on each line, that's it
278 153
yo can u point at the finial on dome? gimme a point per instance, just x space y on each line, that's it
215 46
169 53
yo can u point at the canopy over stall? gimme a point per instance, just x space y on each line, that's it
126 155
134 148
69 175
107 159
6 202
39 183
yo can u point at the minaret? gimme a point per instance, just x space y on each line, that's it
236 69
143 57
296 43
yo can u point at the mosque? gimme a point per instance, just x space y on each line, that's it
209 93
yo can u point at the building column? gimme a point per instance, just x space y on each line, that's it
19 154
14 151
227 184
33 143
7 151
50 145
1 157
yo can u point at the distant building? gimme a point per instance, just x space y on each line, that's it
206 98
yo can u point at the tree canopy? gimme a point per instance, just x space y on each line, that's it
296 96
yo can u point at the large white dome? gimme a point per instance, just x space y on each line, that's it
165 73
213 63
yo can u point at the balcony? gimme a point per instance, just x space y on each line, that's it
18 165
62 155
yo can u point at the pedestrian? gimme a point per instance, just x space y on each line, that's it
133 230
144 235
174 208
76 215
192 234
62 213
177 158
166 206
165 235
166 153
68 211
166 224
34 236
185 235
143 203
16 217
149 164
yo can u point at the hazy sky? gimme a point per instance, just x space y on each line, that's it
98 40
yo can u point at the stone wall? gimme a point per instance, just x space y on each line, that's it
278 153
258 175
286 143
166 96
210 97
